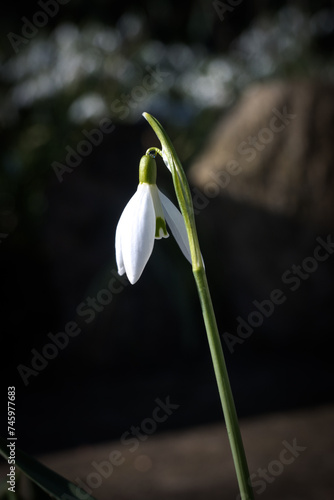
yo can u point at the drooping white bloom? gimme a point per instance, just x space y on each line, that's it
143 220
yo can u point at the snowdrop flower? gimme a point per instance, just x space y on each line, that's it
143 220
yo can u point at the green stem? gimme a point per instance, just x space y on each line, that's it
224 387
183 194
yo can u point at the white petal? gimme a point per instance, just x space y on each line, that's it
176 223
159 213
135 233
119 255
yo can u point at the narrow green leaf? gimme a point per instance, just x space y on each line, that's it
51 482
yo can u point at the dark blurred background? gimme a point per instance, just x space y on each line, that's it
80 66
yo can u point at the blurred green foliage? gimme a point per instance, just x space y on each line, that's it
68 76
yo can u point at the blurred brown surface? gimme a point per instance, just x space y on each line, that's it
196 463
275 149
